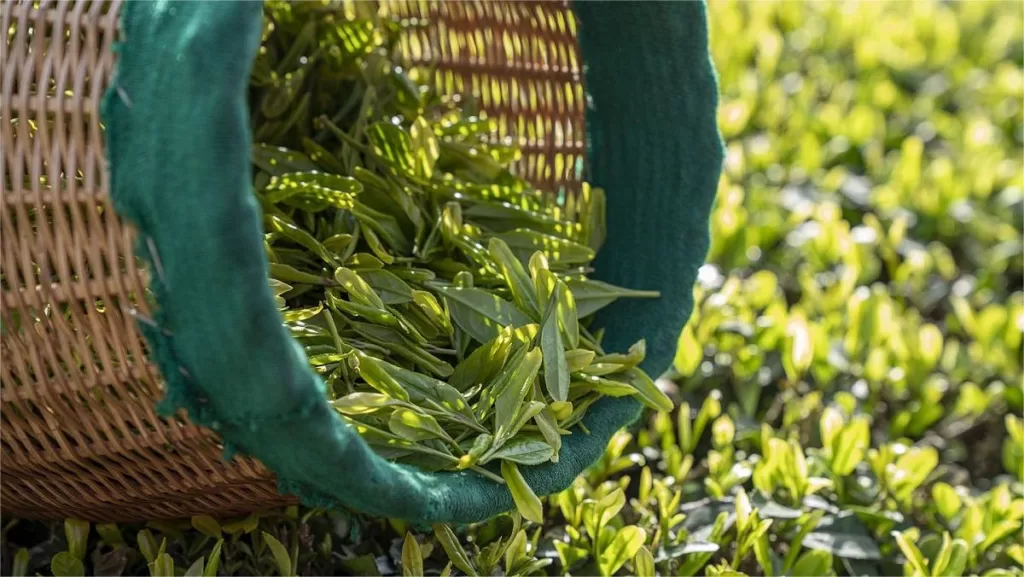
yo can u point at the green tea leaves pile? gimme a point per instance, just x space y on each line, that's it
444 301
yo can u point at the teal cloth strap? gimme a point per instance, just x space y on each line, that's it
178 142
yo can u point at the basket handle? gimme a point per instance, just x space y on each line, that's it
178 143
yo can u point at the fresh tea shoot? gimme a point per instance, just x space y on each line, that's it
445 302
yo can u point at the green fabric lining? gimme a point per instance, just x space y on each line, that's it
178 144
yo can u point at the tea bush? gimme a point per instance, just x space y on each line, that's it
849 384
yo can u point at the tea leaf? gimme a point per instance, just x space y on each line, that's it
578 359
623 547
481 314
568 316
526 501
547 422
513 392
214 560
412 558
813 564
163 566
425 147
946 500
414 426
592 295
362 403
391 289
19 566
446 537
556 369
197 568
64 564
643 563
77 533
281 557
206 525
522 243
649 392
525 450
912 553
147 545
515 277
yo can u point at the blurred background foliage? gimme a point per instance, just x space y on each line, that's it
850 383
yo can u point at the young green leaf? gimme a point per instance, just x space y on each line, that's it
392 145
197 568
593 295
64 564
373 372
813 564
480 446
764 555
547 422
643 563
516 279
689 352
958 557
299 315
915 560
648 391
391 289
147 545
939 559
538 262
246 525
424 147
162 566
568 316
214 559
556 369
527 502
19 566
414 426
280 553
528 411
437 394
946 500
515 551
523 243
412 557
206 525
484 363
578 359
362 403
851 446
545 283
446 537
623 547
798 348
513 392
525 450
480 313
357 288
77 533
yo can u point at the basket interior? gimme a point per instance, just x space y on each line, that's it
80 436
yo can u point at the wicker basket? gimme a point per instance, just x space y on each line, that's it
80 436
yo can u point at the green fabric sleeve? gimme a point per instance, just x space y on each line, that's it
178 142
655 148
